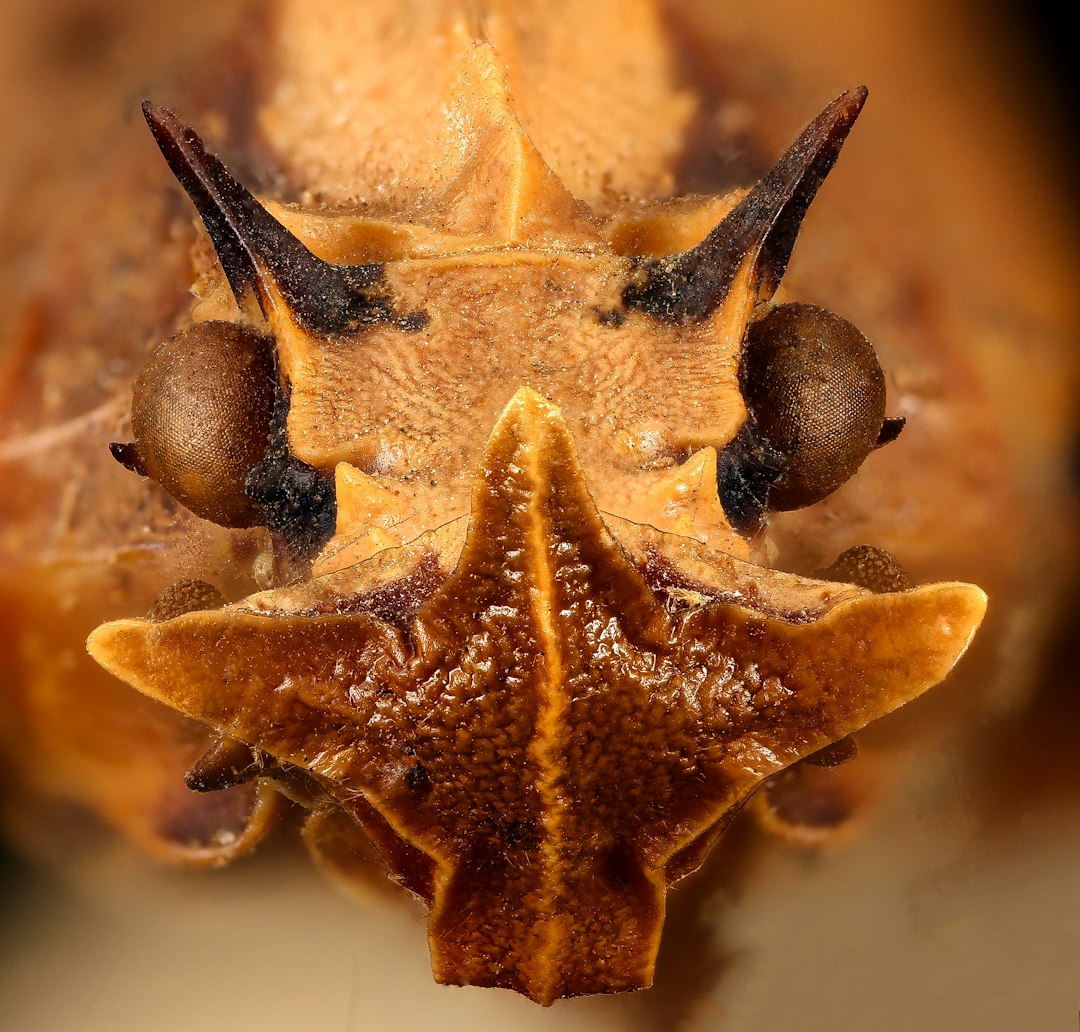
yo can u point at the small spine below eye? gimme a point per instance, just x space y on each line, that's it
817 394
202 414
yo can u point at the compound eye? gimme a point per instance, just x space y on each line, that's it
817 394
202 415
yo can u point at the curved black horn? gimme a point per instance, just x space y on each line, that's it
255 248
763 226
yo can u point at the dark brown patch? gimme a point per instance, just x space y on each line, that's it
128 457
418 779
226 763
396 602
661 577
891 429
519 834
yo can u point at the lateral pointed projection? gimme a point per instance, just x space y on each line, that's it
525 656
537 740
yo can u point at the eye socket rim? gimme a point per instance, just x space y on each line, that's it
774 365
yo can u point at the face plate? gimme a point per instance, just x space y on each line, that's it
549 739
531 663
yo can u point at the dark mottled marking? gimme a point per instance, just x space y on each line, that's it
762 227
522 834
746 470
399 601
613 317
396 602
418 779
667 581
413 321
334 300
296 500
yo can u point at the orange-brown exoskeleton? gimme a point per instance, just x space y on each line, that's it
537 698
490 445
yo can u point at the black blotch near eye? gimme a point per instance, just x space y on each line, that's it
816 392
209 418
746 470
202 415
295 499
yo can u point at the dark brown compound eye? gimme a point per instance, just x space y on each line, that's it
817 395
202 415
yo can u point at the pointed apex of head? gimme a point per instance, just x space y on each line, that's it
526 399
529 418
531 448
500 184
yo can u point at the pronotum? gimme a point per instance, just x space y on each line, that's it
481 431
